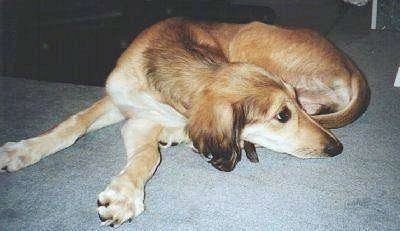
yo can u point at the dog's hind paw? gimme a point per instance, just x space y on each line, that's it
119 203
15 155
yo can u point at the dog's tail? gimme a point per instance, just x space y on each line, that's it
358 104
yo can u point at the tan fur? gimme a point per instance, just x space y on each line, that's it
182 81
309 63
17 155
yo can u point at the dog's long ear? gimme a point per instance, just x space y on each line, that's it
251 152
214 126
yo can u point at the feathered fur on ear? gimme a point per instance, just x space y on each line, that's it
251 152
214 126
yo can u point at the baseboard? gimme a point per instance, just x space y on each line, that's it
397 80
373 15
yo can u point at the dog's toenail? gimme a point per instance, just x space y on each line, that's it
130 220
101 218
112 225
99 203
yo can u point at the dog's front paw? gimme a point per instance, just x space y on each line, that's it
16 155
120 202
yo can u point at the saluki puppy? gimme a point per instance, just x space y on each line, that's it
175 84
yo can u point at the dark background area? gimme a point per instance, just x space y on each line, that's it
79 41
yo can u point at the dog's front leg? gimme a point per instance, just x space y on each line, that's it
123 198
17 155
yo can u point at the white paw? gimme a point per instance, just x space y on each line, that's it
16 155
119 203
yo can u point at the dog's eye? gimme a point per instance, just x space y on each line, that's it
284 115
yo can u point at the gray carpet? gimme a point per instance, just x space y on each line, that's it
357 190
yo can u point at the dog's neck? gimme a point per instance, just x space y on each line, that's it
180 64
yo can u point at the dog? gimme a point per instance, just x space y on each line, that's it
221 87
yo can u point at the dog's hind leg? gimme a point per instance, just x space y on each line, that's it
16 155
123 198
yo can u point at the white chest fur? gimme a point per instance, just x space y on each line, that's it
140 104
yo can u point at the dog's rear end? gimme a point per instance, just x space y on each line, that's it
328 84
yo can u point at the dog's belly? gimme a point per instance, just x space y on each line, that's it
318 97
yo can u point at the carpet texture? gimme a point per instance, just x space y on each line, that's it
357 190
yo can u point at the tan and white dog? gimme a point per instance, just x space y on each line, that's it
182 81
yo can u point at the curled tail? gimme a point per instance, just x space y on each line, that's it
358 103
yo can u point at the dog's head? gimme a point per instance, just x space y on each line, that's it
247 103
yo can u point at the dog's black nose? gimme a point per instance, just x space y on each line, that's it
333 149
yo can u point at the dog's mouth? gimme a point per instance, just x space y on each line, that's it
309 153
